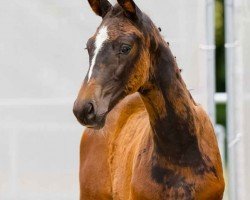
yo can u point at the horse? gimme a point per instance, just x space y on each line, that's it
145 138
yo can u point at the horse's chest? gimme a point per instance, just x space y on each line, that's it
94 170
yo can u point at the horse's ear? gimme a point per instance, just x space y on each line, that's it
130 8
100 7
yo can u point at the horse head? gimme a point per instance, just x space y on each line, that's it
120 56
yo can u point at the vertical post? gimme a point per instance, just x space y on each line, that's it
229 38
210 47
236 151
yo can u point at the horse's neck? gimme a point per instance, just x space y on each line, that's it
171 110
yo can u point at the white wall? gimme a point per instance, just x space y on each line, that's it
42 64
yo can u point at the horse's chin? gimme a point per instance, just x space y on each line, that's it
98 124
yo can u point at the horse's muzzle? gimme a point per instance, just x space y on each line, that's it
86 114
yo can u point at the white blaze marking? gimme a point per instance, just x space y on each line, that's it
101 37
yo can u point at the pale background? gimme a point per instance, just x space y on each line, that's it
42 65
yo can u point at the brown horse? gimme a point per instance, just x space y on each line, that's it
146 138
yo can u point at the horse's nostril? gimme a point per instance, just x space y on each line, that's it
90 108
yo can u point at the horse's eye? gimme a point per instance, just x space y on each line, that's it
125 49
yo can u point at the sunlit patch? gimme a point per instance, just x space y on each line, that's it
101 37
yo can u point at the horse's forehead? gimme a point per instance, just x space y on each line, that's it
116 28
